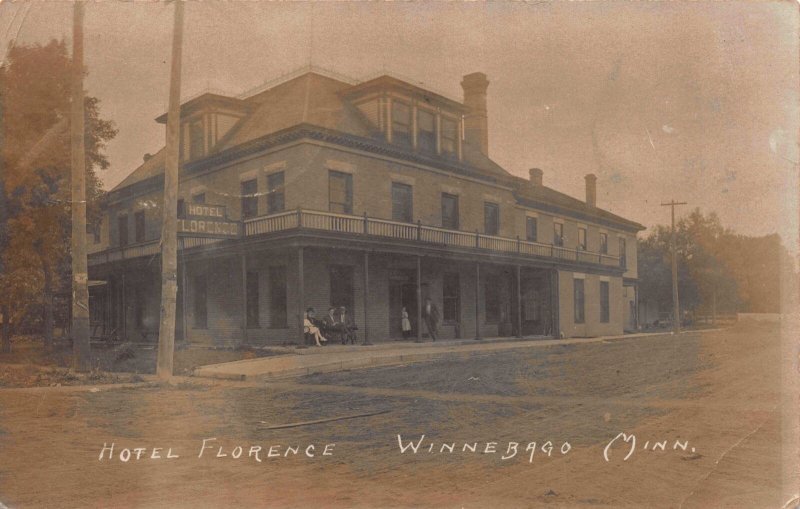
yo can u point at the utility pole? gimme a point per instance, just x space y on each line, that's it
5 334
676 312
169 236
80 278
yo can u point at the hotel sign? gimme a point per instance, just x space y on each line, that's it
208 221
203 211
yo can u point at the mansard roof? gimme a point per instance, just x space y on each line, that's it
317 105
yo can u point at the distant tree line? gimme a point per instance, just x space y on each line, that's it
718 269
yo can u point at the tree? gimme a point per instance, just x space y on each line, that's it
718 270
655 270
36 168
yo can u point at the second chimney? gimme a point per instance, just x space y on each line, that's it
535 175
476 123
591 190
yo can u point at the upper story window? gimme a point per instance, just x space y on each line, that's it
531 228
449 136
623 252
275 198
199 198
249 198
196 139
582 238
426 131
558 234
449 211
181 208
138 225
401 123
340 192
402 202
122 229
604 243
96 232
491 218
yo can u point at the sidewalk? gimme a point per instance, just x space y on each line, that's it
342 357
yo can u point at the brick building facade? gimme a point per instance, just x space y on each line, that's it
372 195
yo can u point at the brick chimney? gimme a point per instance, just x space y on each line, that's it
476 121
535 175
591 190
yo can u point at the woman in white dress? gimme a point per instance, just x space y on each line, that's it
310 328
406 324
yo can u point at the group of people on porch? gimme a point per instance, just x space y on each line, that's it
337 324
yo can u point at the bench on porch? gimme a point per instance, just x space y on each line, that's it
333 333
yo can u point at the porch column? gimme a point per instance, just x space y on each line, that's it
477 300
519 302
243 258
554 300
366 296
107 313
301 297
124 311
419 299
184 291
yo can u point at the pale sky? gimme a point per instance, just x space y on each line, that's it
692 101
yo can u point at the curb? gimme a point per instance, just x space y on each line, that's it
406 357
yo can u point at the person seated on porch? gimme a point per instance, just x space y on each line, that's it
310 328
348 327
331 325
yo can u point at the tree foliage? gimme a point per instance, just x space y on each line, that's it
717 268
36 168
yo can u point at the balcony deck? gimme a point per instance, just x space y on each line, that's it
312 220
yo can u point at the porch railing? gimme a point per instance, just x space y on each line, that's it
373 227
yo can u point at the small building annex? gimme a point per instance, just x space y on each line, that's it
319 191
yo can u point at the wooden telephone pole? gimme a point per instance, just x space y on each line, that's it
676 311
169 236
80 278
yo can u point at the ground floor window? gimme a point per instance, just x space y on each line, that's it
450 297
342 287
252 300
200 299
604 302
277 297
578 299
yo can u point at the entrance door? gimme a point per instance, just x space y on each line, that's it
536 308
402 293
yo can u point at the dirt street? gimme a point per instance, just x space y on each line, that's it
715 399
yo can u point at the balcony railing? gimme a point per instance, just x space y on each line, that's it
373 227
149 248
364 225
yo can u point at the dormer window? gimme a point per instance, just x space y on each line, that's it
410 117
197 141
449 136
426 131
401 123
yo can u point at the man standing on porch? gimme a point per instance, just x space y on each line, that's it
431 314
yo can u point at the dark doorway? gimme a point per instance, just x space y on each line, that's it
402 293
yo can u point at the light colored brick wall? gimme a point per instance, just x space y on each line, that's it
591 326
